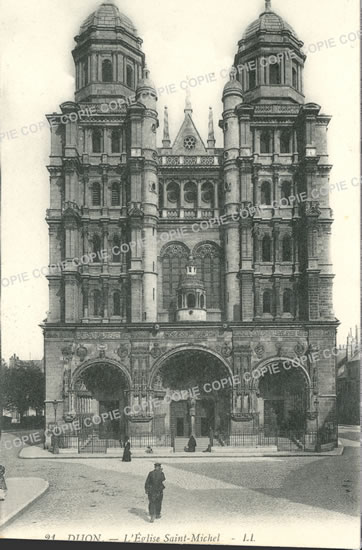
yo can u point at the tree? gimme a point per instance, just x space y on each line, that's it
23 388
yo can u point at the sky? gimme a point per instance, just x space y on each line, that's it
183 41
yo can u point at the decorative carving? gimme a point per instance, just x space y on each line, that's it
156 351
259 350
67 352
135 211
123 351
69 417
67 374
227 186
206 250
176 251
140 417
152 187
241 417
226 349
102 348
279 349
82 352
299 349
312 209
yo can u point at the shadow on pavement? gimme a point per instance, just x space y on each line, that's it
140 513
324 484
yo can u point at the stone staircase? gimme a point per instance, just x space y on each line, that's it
181 443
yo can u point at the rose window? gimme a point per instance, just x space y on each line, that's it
189 142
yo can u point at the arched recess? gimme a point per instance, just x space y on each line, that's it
208 258
186 348
92 362
100 386
199 399
284 393
173 258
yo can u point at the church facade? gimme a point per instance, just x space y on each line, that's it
180 264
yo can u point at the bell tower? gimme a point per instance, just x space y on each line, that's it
108 57
270 61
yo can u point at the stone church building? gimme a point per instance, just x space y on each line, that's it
177 264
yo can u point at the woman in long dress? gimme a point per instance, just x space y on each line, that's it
127 450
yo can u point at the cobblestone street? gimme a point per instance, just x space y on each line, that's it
266 497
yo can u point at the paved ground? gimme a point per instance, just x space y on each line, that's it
273 499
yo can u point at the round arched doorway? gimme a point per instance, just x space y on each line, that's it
100 395
283 396
195 387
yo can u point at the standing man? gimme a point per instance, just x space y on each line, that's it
154 489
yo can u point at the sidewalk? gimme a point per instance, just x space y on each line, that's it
22 492
39 453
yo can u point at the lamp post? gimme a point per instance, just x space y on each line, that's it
55 444
318 445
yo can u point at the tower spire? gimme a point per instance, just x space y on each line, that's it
211 135
166 134
267 5
188 106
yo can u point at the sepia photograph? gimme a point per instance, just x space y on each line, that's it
180 272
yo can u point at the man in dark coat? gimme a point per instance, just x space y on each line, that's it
154 489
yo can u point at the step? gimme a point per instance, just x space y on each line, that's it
239 450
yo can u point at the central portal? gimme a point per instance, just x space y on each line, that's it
199 406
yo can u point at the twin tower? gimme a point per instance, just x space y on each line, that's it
119 197
157 246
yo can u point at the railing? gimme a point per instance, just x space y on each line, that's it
248 440
190 213
150 440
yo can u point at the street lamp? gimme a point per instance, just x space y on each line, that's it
318 445
55 404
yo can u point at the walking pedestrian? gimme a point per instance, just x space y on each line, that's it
154 487
127 450
3 487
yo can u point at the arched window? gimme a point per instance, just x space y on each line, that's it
252 78
116 249
116 195
117 303
266 249
179 301
85 71
173 194
190 194
97 247
116 141
202 301
96 194
97 303
207 194
295 77
265 195
191 301
286 190
287 301
287 249
267 301
174 258
265 141
209 269
97 141
285 137
129 77
107 71
274 73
